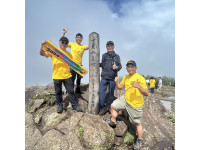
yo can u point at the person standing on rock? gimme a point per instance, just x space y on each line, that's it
135 87
152 83
77 51
110 64
61 74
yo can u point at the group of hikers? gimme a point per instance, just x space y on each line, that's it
153 84
134 83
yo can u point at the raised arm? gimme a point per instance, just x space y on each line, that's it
64 31
87 47
119 86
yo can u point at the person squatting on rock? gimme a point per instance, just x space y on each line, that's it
135 87
77 51
110 66
61 74
152 83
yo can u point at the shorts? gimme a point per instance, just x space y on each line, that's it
135 114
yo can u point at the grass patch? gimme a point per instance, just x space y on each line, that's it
129 138
81 132
109 145
96 147
154 135
164 94
171 119
31 103
50 99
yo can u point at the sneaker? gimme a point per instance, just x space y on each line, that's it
138 144
103 111
77 108
60 109
111 123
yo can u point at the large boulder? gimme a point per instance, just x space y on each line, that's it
51 119
32 134
95 132
67 127
120 129
37 104
52 140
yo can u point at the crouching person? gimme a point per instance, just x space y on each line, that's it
132 102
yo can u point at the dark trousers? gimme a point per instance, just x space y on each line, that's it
69 88
74 75
102 93
152 90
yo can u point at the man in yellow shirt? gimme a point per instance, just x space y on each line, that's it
77 51
152 83
132 102
61 74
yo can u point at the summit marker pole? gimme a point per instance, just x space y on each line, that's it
94 73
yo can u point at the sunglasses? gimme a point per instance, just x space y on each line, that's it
130 66
63 42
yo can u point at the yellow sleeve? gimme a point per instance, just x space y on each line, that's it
69 44
123 81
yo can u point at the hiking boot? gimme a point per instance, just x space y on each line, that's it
111 123
103 111
60 108
138 144
77 108
78 90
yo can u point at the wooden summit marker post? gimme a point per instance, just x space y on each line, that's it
94 73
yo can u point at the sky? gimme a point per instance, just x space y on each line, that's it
142 30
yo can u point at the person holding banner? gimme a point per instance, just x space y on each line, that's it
61 74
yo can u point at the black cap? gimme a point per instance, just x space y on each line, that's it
64 39
131 62
110 42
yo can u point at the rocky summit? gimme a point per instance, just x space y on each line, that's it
45 129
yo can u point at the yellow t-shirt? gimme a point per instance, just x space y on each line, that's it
77 52
60 70
152 83
133 95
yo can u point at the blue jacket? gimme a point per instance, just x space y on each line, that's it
107 62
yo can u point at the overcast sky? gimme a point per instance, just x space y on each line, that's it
142 30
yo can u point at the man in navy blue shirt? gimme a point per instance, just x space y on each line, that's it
110 66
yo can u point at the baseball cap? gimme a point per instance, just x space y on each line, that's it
110 42
131 62
64 39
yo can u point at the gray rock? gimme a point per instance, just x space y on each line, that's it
51 119
95 131
122 147
32 136
83 104
36 105
28 119
118 141
68 127
38 115
120 129
52 140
